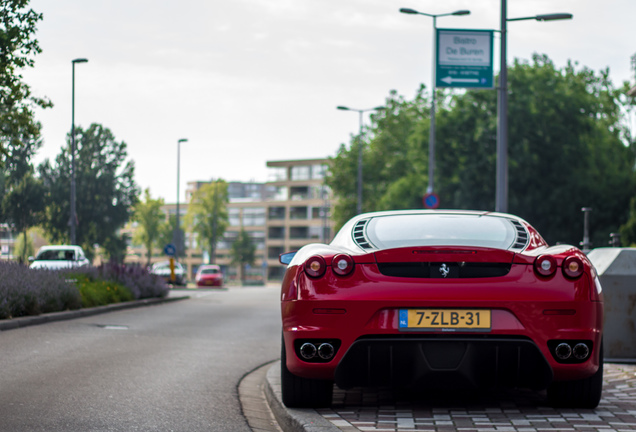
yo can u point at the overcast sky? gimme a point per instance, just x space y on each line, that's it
246 81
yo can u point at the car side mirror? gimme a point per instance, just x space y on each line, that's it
286 258
31 258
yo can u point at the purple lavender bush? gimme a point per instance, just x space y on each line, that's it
25 291
141 283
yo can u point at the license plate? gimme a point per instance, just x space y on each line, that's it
445 319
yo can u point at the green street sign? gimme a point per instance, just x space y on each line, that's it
464 58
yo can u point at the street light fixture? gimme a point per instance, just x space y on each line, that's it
359 177
73 217
501 198
177 236
431 145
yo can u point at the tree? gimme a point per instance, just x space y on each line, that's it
207 215
106 191
393 150
150 217
567 150
18 46
21 204
23 207
243 253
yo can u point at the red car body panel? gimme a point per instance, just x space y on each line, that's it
366 303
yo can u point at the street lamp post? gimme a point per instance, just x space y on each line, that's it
73 217
431 146
178 226
359 176
501 197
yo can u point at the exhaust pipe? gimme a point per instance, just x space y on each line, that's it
308 351
326 351
581 351
563 351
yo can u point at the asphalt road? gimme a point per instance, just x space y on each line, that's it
172 367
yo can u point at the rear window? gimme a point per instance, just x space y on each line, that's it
209 271
56 255
388 232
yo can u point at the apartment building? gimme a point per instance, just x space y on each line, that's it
283 214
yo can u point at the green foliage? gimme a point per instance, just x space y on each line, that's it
395 150
99 292
21 203
150 217
628 230
568 148
243 252
207 215
18 46
105 189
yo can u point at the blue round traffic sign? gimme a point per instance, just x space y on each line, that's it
431 201
170 249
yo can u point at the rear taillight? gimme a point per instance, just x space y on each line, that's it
572 267
315 266
545 265
342 265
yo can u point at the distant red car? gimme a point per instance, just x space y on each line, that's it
209 275
451 299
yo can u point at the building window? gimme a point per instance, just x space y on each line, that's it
273 252
319 212
301 172
297 233
253 216
280 194
276 213
277 174
228 240
234 216
298 193
276 233
298 213
315 232
318 172
258 239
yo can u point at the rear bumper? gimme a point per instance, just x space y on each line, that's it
433 362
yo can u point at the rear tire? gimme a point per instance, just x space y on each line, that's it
301 392
585 393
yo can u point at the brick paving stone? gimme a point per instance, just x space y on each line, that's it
501 411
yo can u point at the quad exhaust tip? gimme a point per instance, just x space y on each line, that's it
309 351
565 351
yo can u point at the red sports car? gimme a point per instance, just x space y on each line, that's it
453 299
209 275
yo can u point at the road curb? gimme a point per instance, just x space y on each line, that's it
21 322
292 419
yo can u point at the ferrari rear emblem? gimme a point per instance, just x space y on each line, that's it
444 270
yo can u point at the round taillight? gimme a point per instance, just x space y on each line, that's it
342 264
572 267
545 265
315 266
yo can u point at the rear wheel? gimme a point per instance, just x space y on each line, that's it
301 392
585 393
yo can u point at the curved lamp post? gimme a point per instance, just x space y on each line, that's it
359 177
177 235
73 217
501 198
431 146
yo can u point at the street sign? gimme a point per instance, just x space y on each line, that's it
464 58
431 201
170 249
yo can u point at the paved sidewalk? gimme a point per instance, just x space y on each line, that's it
503 411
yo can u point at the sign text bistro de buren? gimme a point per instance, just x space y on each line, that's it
464 58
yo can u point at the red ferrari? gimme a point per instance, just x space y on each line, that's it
430 299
